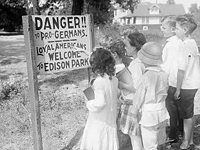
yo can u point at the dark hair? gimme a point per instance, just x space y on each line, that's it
102 61
137 40
188 22
118 47
170 19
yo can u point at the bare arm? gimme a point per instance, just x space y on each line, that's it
128 87
180 77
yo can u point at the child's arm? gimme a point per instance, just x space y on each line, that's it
136 73
180 77
99 102
182 66
128 87
140 95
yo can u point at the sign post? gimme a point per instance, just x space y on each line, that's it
33 83
54 44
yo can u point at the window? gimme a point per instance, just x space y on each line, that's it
145 28
145 20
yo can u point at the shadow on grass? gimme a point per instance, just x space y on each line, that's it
10 61
4 77
74 140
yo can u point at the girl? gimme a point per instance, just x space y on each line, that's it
118 51
100 132
134 42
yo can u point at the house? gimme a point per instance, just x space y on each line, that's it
147 15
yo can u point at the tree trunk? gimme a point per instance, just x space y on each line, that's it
36 10
77 7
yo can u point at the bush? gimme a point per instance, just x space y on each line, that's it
114 31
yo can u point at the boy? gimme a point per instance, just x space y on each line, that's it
170 54
188 75
150 97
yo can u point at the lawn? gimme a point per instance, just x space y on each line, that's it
62 105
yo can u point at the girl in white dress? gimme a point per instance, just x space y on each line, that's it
100 132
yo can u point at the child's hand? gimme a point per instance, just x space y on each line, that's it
120 85
176 95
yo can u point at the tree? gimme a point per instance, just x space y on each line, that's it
170 2
102 10
193 8
77 7
127 4
11 14
195 12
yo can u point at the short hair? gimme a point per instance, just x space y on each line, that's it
102 61
118 47
188 22
137 40
170 19
125 32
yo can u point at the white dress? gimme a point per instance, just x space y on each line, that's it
100 132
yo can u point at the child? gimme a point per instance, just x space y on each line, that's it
150 96
133 43
170 55
124 35
118 51
100 132
188 75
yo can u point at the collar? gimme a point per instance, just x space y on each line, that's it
119 67
156 69
172 38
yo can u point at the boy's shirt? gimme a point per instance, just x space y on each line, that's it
188 61
150 97
170 53
137 69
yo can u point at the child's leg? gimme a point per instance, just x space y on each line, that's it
149 138
188 128
173 125
136 142
172 108
193 124
187 112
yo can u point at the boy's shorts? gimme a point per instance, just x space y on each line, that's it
154 136
171 103
186 105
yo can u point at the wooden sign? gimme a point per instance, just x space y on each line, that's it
61 42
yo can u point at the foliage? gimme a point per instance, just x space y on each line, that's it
14 3
195 12
170 2
194 8
8 89
11 14
99 9
127 4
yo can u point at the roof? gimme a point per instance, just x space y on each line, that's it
142 10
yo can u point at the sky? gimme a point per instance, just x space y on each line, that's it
186 3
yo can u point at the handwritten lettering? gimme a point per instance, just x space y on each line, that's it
53 22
